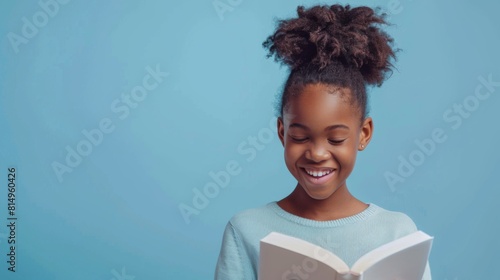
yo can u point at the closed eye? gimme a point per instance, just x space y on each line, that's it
336 142
298 140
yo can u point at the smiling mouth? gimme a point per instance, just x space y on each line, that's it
318 173
318 177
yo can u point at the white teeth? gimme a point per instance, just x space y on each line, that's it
318 173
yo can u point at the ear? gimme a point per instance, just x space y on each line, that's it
365 135
281 130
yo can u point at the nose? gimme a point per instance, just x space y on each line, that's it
317 153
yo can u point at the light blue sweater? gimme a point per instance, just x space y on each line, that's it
349 238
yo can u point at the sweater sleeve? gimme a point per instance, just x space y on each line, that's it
233 262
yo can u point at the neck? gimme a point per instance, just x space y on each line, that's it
339 205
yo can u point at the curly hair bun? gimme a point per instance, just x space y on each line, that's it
324 34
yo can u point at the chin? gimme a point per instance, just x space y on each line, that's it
319 195
319 198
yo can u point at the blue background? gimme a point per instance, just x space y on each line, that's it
116 214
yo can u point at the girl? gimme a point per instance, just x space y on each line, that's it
334 53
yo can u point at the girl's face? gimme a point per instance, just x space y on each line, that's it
321 134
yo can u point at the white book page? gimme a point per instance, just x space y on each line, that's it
286 257
404 258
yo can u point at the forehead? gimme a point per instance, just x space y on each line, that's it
321 105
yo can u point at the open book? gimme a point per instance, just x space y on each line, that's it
290 258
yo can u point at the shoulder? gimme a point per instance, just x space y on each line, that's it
254 223
398 222
251 215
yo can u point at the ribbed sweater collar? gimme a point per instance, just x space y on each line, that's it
368 212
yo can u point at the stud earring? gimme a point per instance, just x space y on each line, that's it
362 146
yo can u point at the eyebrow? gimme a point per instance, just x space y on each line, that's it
331 127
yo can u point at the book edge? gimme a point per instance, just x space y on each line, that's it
307 249
389 249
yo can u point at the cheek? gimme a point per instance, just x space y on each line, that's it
347 156
293 154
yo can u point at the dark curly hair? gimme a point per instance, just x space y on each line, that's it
334 45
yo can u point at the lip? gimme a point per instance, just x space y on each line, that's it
320 180
318 168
